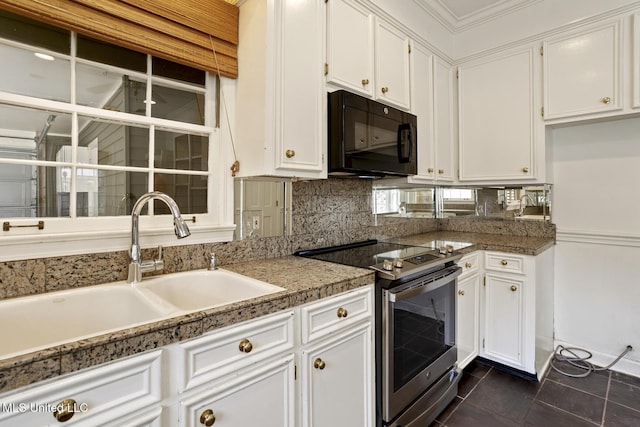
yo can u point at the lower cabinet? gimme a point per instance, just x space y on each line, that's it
468 316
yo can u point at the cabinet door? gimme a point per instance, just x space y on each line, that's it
503 319
262 395
497 120
350 47
337 380
582 72
392 66
299 138
443 119
422 107
467 316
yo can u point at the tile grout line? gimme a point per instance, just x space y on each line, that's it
606 399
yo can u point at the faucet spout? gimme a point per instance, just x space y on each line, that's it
136 265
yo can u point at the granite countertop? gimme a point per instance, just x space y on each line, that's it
304 279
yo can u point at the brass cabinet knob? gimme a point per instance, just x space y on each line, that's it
319 364
468 265
365 82
461 292
606 100
289 153
342 312
385 89
504 262
245 346
207 418
65 410
440 171
514 288
430 170
525 169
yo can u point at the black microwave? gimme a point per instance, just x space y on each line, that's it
368 138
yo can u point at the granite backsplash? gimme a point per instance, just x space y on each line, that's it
324 213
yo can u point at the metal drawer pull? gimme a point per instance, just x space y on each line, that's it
207 418
65 410
514 288
461 292
504 262
342 312
319 364
289 153
245 346
385 89
606 100
365 82
468 265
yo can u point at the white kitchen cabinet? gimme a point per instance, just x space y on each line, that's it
260 395
636 61
280 99
468 309
391 65
350 47
366 54
583 71
337 380
500 127
432 103
122 393
517 310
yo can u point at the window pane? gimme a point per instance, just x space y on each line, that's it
171 70
176 104
108 193
189 192
100 88
181 151
34 76
27 31
106 53
114 144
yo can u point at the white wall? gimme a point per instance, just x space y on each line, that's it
596 206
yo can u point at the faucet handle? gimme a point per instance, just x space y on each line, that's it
213 261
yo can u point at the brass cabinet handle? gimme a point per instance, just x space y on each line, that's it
504 262
245 346
606 100
385 89
319 364
342 312
461 292
289 153
468 265
207 418
440 171
525 169
514 288
65 410
365 82
430 170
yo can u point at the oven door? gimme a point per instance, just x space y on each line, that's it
418 337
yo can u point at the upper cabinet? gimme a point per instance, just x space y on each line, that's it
366 55
280 98
583 71
500 128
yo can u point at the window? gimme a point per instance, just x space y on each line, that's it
86 128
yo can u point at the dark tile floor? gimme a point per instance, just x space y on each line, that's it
492 398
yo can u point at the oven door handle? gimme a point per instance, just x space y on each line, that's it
408 292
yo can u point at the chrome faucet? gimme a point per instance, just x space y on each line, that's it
525 196
136 265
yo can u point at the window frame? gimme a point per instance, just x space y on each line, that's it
81 235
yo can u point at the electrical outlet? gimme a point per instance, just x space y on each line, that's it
255 222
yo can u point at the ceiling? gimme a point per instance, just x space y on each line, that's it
457 15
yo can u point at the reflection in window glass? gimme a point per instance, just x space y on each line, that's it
28 31
100 88
189 192
107 192
181 151
106 53
113 144
176 104
162 67
39 76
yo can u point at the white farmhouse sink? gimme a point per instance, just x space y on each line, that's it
39 321
199 289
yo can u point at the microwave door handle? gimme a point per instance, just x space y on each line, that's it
395 296
404 127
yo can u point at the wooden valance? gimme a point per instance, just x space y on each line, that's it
182 31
